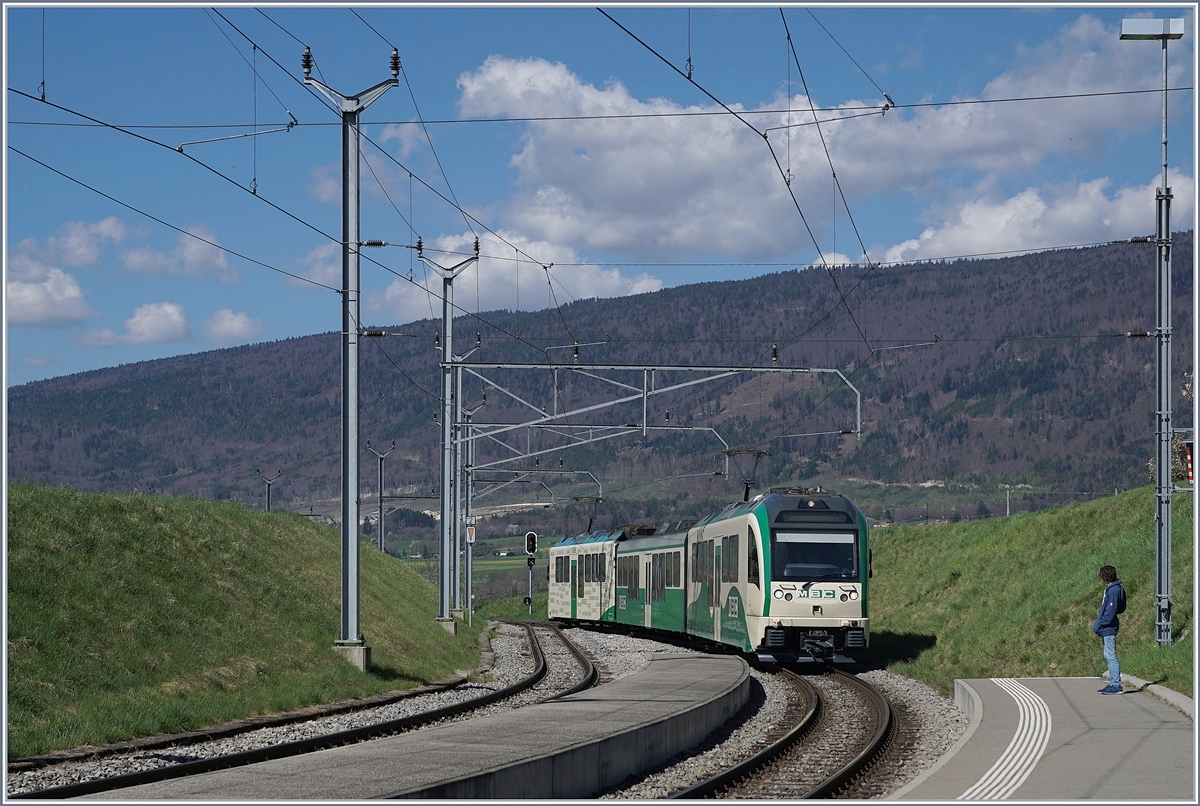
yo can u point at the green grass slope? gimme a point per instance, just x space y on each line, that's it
138 615
133 615
1016 597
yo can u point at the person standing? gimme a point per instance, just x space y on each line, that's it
1107 624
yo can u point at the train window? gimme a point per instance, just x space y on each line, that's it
658 591
675 577
812 556
627 575
752 572
710 576
729 559
812 516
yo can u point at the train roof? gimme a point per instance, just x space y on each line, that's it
628 532
792 503
788 499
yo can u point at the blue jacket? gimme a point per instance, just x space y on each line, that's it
1107 622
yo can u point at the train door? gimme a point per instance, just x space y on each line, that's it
716 599
703 592
571 591
648 610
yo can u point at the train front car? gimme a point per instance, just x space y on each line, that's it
816 561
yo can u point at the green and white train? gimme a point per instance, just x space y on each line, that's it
783 576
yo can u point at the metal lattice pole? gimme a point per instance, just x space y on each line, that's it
1161 30
350 108
381 457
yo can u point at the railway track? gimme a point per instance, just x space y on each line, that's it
558 668
842 725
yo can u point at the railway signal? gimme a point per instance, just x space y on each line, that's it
530 549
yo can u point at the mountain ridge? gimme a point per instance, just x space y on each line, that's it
1014 370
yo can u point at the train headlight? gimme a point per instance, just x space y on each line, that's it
787 597
845 597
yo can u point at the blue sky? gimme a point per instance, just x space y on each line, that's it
568 143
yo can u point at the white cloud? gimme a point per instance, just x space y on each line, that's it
408 135
663 186
40 295
79 244
322 265
194 255
152 323
228 327
680 186
503 279
1039 218
325 183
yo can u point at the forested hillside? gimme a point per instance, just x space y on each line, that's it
983 372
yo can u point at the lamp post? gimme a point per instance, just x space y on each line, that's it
1162 30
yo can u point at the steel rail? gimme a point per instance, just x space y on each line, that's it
863 761
722 780
590 674
293 748
831 785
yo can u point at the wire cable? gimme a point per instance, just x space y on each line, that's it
848 56
169 225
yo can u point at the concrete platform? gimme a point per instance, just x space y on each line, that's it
572 747
1058 739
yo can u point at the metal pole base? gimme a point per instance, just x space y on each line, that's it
358 654
449 624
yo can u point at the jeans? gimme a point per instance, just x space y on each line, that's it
1110 656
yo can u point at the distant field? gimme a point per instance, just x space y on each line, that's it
132 615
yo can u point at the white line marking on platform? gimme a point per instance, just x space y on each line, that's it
1023 752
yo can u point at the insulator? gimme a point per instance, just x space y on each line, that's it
306 61
419 246
476 244
478 339
774 353
395 63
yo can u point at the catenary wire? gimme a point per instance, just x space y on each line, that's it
265 200
420 119
866 111
169 225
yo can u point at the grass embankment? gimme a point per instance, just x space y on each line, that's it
1016 597
133 615
136 615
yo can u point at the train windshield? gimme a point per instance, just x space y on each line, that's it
812 556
